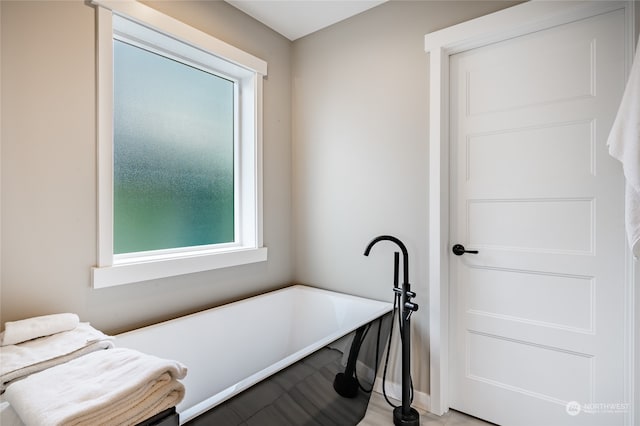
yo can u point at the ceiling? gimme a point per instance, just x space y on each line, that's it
297 18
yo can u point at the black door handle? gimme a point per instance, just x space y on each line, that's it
459 250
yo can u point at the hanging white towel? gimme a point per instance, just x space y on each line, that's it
32 328
624 145
115 387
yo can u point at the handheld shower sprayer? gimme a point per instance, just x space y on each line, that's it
404 415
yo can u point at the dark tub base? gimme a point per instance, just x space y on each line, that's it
168 417
299 395
302 394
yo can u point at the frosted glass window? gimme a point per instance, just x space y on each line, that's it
173 153
179 153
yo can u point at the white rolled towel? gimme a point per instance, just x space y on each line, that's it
20 331
19 361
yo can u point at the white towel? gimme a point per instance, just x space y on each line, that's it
624 145
8 416
32 328
115 387
17 361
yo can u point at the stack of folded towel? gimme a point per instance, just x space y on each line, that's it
35 344
115 387
53 371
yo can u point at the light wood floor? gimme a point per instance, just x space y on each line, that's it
379 413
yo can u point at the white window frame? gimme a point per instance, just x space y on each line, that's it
248 71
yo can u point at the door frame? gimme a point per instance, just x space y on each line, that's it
508 23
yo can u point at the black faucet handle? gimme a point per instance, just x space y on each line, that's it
411 306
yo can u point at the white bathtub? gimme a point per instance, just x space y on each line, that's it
232 347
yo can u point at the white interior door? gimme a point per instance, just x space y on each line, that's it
537 317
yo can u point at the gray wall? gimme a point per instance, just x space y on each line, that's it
49 173
360 152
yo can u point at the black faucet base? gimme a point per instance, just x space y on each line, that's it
346 383
345 386
412 418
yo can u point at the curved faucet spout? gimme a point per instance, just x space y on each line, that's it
388 238
405 253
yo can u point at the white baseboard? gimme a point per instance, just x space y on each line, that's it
365 372
421 400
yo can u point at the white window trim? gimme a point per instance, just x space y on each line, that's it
248 248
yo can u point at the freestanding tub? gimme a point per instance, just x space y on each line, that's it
232 347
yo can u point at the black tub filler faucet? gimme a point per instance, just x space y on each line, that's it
404 415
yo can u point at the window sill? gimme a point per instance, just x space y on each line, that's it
126 273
